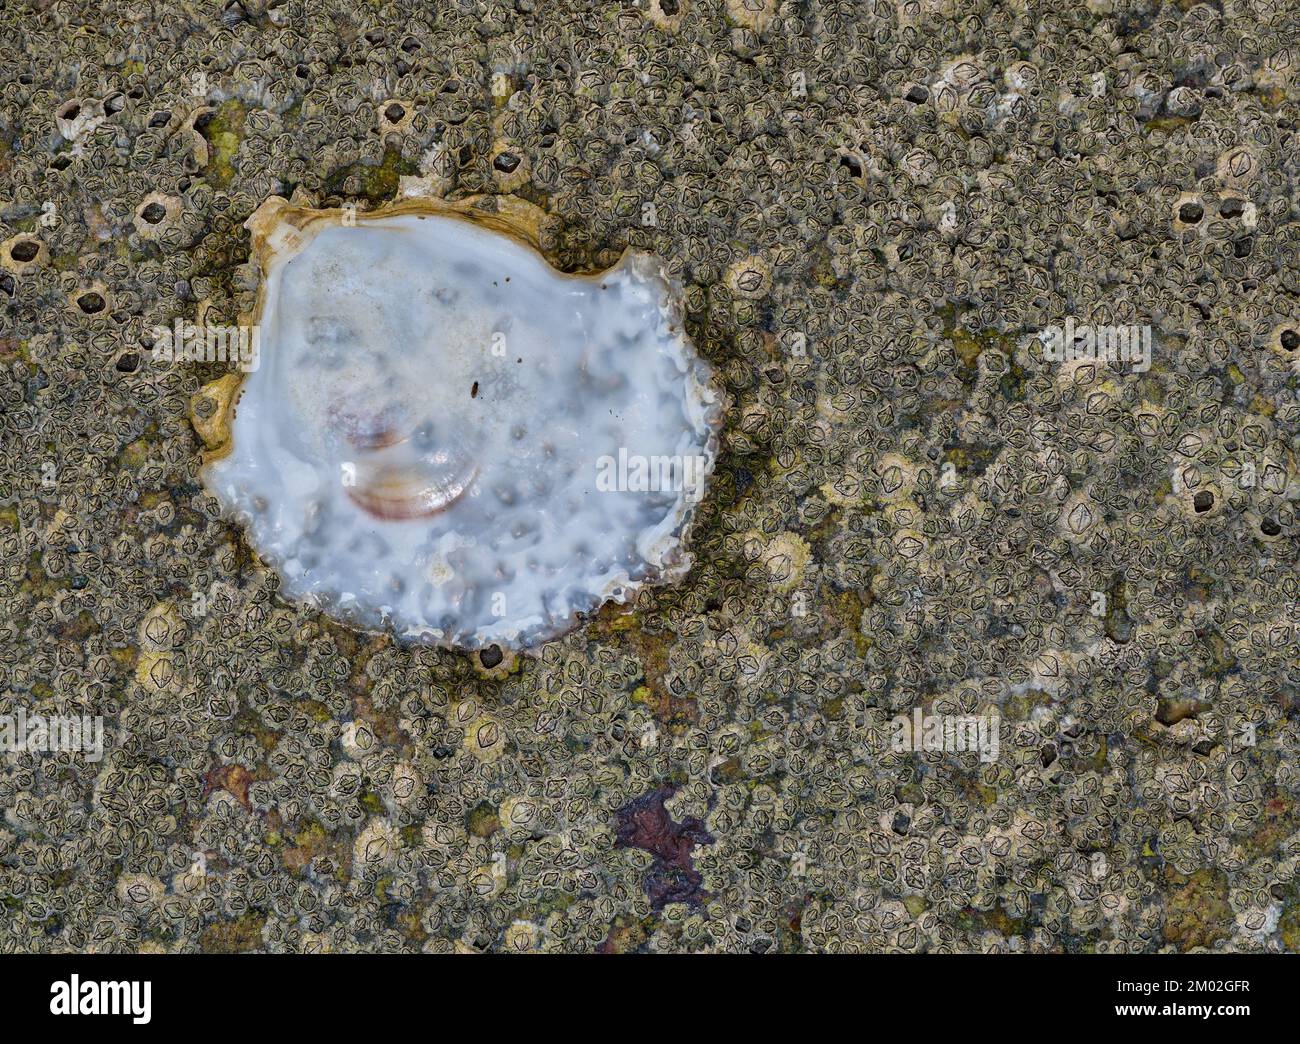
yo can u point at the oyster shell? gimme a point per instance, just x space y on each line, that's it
437 436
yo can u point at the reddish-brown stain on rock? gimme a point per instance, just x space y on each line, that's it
644 823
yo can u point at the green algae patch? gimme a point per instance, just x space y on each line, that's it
970 458
995 919
248 723
1289 927
968 347
1166 124
483 820
310 842
223 131
1198 913
378 183
1271 97
1119 628
1280 821
240 936
676 712
1262 407
1012 383
315 710
846 608
1020 707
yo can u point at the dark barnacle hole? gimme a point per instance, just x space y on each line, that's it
394 113
669 7
917 93
153 213
1269 527
1290 340
160 118
90 303
61 162
1231 208
1243 247
507 162
127 362
24 251
1190 213
7 284
851 164
491 656
1203 501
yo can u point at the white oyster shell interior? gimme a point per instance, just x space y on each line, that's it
446 437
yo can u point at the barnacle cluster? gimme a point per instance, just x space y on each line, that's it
875 210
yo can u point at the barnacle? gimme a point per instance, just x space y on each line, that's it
429 433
